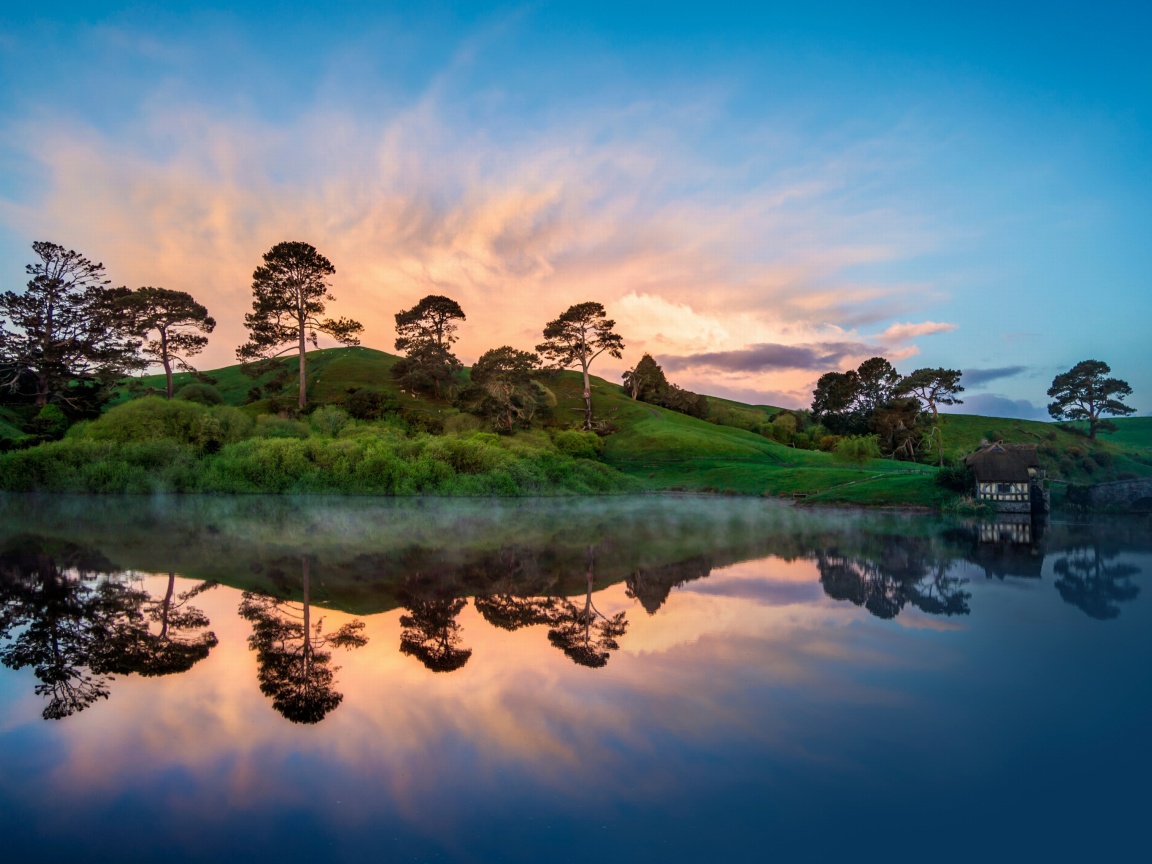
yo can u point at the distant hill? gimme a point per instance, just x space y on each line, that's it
667 450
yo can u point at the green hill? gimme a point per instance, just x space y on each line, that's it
658 449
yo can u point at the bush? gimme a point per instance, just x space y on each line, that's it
857 449
50 422
368 404
156 419
579 445
828 443
956 477
201 394
328 420
273 426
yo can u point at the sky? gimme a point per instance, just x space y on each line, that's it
756 195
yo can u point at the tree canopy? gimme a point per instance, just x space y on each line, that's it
290 290
581 334
1085 393
67 334
179 323
503 387
935 387
425 334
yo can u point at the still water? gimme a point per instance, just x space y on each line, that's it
658 679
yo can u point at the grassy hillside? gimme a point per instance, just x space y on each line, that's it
658 449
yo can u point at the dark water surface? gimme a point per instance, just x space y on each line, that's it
656 679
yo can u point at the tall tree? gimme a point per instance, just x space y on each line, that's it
290 653
834 402
934 387
289 293
1084 393
503 380
878 380
581 334
425 334
180 323
67 331
646 382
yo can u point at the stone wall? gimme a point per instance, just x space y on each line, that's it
1122 494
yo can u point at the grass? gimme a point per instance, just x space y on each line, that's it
647 447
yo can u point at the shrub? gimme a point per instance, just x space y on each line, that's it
579 445
857 449
956 477
201 394
50 422
329 420
828 443
273 426
366 403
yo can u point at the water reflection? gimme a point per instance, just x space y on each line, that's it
293 666
74 619
1094 581
896 572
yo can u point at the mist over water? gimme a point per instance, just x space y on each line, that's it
658 678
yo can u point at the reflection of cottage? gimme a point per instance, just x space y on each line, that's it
1009 477
1010 545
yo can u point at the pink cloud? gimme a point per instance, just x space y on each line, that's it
908 330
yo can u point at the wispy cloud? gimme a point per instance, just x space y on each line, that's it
773 357
980 377
906 331
993 405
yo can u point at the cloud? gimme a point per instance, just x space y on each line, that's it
979 377
906 331
770 357
449 193
993 405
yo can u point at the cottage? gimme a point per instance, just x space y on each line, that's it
1009 477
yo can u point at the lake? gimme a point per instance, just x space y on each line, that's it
639 679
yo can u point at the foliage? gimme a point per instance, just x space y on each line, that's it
856 450
151 418
581 334
579 445
503 388
70 339
898 424
180 323
328 420
290 290
935 387
202 394
646 381
956 477
425 334
366 403
1084 393
845 401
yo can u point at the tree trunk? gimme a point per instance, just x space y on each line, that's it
303 372
167 607
166 361
587 399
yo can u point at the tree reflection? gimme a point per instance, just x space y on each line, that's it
431 632
577 632
152 637
49 601
294 668
905 570
651 586
1095 582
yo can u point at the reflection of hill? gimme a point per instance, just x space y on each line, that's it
365 553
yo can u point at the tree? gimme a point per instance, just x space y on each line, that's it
1083 393
425 334
834 402
856 450
580 335
290 290
69 334
290 653
935 387
503 387
646 382
897 424
877 384
180 325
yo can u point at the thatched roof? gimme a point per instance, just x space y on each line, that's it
1003 463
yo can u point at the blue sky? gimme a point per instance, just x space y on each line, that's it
794 188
